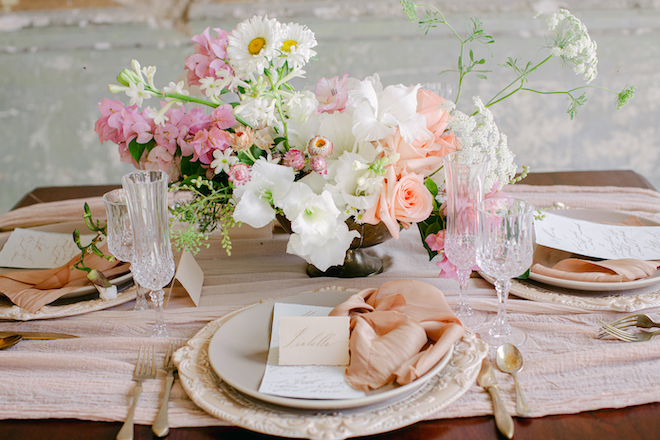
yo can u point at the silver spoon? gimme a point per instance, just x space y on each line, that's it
509 360
9 341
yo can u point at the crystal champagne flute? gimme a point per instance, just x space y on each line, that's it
120 236
505 251
465 173
146 193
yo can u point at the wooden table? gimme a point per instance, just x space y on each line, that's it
639 422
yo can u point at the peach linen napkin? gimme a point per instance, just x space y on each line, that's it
398 332
555 263
33 289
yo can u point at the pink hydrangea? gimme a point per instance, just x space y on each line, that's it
294 159
166 136
332 94
209 56
239 174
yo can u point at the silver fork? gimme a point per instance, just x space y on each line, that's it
161 427
145 368
626 335
634 320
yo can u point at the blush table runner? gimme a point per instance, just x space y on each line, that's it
567 369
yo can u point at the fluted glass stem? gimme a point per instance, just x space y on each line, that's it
160 328
140 296
463 308
501 326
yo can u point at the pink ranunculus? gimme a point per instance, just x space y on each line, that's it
223 117
402 201
332 94
159 158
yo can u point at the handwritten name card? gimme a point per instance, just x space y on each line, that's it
31 249
320 340
302 381
598 240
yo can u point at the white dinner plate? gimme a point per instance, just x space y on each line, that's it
68 228
599 216
238 353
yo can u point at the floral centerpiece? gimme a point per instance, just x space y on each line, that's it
251 147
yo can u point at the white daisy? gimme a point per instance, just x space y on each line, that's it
252 45
296 47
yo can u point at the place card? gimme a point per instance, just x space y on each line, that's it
190 275
609 242
318 340
302 381
32 249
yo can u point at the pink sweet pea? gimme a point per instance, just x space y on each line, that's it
332 94
159 158
137 126
436 243
223 117
107 125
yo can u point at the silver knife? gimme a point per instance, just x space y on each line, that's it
486 379
37 335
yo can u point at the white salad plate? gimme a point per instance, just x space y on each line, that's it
238 353
219 399
598 216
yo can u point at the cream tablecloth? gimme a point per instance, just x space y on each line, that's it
567 370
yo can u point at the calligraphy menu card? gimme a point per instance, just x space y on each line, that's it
609 242
302 381
32 249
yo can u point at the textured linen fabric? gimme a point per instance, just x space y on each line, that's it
567 369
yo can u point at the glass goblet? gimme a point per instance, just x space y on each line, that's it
465 173
146 193
505 251
120 236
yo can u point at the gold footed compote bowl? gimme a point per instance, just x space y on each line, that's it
357 263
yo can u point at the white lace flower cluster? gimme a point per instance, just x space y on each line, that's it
571 42
479 132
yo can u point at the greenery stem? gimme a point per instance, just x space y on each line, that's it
522 78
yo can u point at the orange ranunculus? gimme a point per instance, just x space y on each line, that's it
405 200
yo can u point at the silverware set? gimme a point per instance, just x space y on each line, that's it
618 329
145 368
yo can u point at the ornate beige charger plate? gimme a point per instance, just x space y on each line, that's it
214 396
83 300
620 301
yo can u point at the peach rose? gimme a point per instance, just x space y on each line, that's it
405 200
430 105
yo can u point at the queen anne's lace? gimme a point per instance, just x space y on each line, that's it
571 42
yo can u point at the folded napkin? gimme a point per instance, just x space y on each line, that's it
33 289
52 212
555 263
398 332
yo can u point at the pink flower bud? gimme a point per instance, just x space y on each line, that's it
294 159
239 174
318 164
319 146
